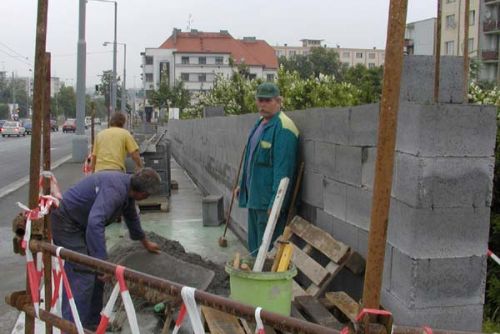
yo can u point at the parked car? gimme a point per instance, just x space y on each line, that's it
27 126
13 128
69 125
53 125
1 124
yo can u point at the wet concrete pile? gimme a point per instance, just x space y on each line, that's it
173 264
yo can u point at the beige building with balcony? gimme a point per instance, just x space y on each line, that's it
452 27
349 56
490 40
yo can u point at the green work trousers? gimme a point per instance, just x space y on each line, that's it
257 221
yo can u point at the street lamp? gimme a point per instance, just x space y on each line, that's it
124 89
113 85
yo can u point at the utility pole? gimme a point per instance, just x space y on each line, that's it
124 87
113 85
80 142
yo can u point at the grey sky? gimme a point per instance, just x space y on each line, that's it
147 23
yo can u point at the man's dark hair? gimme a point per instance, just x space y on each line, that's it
117 119
146 180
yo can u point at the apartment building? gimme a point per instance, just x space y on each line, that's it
420 37
490 40
197 57
350 56
452 27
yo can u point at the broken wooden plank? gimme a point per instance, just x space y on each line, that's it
317 312
348 306
309 267
220 322
295 313
319 239
356 263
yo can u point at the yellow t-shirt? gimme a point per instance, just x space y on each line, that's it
111 148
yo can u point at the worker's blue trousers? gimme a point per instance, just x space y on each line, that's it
257 222
87 289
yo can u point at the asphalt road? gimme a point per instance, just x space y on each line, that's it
15 155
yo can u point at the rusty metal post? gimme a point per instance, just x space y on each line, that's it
437 52
466 51
385 153
47 235
38 98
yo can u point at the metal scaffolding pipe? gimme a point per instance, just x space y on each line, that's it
437 52
174 289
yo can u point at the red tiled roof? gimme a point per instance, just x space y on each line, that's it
251 52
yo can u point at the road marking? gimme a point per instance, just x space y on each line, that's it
21 182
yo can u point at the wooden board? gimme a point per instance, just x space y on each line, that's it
322 241
317 312
312 269
356 263
220 322
297 290
348 306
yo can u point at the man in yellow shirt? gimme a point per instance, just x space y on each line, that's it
112 146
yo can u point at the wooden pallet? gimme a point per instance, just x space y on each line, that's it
317 243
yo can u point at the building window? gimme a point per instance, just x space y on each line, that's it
270 77
471 45
450 1
219 60
149 77
185 60
346 54
149 60
185 76
202 77
359 55
371 55
202 60
472 17
347 64
371 65
252 76
450 48
291 53
450 21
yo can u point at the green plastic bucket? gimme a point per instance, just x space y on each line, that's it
270 290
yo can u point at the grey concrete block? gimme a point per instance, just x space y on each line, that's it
345 232
348 161
359 201
424 283
442 232
312 189
325 158
363 125
307 154
334 125
335 198
369 155
460 317
324 221
417 81
446 130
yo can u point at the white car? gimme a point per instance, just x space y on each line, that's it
13 128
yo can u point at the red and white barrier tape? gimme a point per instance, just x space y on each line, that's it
187 294
87 166
56 284
69 293
427 330
108 310
127 300
494 257
259 329
180 319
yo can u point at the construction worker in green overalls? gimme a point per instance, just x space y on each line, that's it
271 154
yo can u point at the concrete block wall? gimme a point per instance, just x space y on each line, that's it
435 264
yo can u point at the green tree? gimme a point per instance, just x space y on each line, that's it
320 60
166 96
368 80
64 102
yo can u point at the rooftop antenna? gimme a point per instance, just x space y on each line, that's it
189 22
